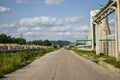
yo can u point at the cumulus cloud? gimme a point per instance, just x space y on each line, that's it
81 28
60 28
53 2
63 33
4 9
48 2
37 28
73 19
22 29
44 20
45 27
29 34
8 25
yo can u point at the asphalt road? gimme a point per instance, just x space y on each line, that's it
62 65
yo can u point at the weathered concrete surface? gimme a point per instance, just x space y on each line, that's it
62 65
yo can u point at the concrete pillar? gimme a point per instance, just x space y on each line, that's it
92 32
9 48
117 30
25 47
97 39
102 31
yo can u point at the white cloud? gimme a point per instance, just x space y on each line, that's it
67 33
81 28
60 28
48 2
63 33
22 29
73 19
29 34
4 9
7 25
35 21
53 2
45 27
37 28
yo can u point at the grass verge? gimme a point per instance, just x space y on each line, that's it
10 61
96 58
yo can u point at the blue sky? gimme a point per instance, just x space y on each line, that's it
47 19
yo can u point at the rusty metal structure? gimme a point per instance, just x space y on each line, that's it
110 7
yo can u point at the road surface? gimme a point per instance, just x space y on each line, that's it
62 65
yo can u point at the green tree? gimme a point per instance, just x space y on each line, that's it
3 38
8 39
40 42
21 41
47 43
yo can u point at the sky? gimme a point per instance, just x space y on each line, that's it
47 19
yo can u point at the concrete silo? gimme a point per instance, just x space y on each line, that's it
98 31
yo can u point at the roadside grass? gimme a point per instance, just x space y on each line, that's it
112 61
96 58
11 61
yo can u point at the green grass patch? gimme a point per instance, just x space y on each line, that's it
95 58
10 61
87 53
112 60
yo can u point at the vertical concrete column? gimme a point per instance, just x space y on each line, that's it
92 31
9 47
25 46
97 39
117 32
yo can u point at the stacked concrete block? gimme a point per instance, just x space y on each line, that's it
111 48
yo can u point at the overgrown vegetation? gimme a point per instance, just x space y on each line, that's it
95 58
13 60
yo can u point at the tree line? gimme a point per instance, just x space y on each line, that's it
40 42
8 39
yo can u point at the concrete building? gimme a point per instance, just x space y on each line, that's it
97 32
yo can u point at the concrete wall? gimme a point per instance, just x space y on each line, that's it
19 47
108 47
